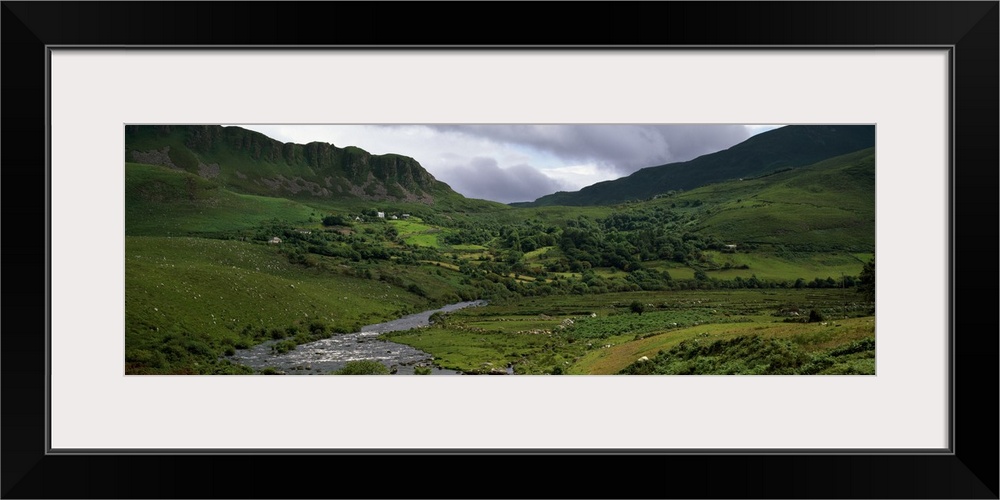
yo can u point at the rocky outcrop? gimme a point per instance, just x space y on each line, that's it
263 165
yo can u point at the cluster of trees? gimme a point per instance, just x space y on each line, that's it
622 241
625 240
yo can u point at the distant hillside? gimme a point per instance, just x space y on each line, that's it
787 147
249 162
827 205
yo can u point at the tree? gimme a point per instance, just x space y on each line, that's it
335 220
866 281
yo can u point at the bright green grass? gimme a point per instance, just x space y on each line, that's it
567 275
414 232
538 254
410 226
474 249
423 240
769 266
863 257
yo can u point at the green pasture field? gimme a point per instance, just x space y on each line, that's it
410 226
414 232
786 268
599 334
424 240
538 254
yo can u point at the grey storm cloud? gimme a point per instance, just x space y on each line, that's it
482 178
621 148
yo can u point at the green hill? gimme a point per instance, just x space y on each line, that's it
249 162
164 201
828 205
787 147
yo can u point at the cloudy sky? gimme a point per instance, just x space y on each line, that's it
509 163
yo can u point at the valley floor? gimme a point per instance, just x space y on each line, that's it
735 332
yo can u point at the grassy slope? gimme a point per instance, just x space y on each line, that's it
248 162
828 205
786 147
161 201
211 289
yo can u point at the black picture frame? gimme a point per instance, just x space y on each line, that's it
970 29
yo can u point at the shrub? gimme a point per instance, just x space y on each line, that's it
335 220
438 318
422 370
637 307
283 346
815 316
363 367
228 368
317 327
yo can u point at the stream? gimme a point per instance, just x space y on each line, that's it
324 356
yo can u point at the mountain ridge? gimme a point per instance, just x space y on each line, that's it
791 146
254 163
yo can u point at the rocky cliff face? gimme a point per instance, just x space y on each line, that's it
255 163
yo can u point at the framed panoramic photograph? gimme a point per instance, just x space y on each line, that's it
248 255
667 250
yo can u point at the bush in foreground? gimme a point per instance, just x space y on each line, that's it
362 367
